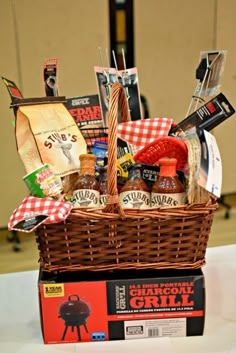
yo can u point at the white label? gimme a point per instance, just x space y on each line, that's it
210 176
155 328
86 198
170 200
51 185
135 199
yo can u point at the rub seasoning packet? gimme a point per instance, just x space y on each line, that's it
46 133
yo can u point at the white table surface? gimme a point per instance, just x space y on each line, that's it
20 330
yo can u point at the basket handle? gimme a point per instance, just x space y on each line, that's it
117 100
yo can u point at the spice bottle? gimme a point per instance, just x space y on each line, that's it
86 188
135 193
167 189
103 185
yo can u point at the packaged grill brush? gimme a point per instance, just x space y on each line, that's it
107 76
207 117
208 73
50 77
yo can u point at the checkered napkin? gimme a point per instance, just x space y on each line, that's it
139 133
56 211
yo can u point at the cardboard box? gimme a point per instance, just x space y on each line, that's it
87 306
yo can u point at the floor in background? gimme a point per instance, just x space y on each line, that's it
223 232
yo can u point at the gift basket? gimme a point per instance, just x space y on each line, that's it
114 238
52 135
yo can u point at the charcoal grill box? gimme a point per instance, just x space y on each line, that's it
121 305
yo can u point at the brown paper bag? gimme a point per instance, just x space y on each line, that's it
46 133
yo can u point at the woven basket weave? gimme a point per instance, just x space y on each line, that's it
114 238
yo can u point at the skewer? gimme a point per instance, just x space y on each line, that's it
124 62
101 58
105 74
108 61
125 75
114 59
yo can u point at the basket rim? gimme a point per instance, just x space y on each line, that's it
178 212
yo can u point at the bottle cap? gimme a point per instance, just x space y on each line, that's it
87 156
87 163
167 166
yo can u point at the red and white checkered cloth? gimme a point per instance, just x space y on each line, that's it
139 133
57 211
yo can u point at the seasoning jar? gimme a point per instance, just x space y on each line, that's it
167 190
135 193
86 188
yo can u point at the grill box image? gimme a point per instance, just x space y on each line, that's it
97 306
74 312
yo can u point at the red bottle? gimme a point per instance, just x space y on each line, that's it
167 189
135 193
86 188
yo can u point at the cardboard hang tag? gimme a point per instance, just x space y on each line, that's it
210 173
34 211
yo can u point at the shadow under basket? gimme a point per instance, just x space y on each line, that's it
114 238
157 239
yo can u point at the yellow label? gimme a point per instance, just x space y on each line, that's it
122 165
53 290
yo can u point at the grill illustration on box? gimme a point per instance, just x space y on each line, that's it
74 312
122 308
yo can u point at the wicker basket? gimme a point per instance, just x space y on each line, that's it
114 238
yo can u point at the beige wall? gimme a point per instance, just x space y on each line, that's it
69 30
226 135
12 188
169 35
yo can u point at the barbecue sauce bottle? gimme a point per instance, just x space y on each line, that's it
135 193
103 185
86 188
167 189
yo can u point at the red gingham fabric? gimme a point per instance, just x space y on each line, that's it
56 211
139 133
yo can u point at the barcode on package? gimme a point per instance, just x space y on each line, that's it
153 332
170 327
